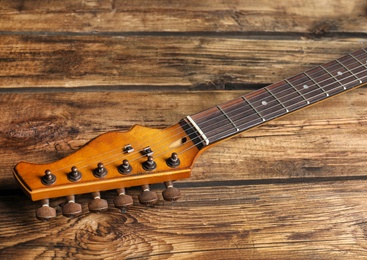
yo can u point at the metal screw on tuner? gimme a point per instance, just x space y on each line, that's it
97 204
122 201
45 212
149 164
171 193
100 171
74 175
48 178
147 197
125 167
173 161
71 208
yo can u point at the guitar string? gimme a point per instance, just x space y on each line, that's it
274 112
230 132
347 70
256 96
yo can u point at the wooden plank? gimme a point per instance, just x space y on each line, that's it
314 18
320 220
144 61
326 140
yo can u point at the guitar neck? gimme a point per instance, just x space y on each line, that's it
278 99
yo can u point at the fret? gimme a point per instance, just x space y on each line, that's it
357 67
241 113
293 87
229 119
278 99
257 112
213 124
317 84
360 56
351 73
331 75
310 92
351 79
266 105
286 109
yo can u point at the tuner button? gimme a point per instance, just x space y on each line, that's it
100 171
74 175
125 167
147 197
171 193
71 208
48 178
122 201
45 212
97 204
149 164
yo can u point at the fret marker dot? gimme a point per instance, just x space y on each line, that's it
340 73
305 86
264 103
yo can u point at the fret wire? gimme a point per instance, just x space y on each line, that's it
333 76
268 90
317 84
271 113
349 72
229 119
257 112
290 84
320 89
364 65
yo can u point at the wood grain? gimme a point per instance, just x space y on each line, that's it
293 188
322 141
317 18
146 62
302 220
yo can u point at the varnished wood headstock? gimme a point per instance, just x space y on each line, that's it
115 160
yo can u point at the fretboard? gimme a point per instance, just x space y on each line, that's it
273 101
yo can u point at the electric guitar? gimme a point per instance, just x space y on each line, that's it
143 156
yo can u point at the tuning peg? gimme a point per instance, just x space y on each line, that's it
122 201
173 161
125 167
48 178
74 175
149 164
147 197
71 208
171 193
100 171
97 204
45 212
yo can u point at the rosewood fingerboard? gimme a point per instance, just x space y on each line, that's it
278 99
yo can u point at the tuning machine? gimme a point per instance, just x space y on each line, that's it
147 197
171 193
45 212
97 204
71 208
122 201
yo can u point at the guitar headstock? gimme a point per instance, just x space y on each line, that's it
115 160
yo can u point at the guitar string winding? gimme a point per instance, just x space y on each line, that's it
139 150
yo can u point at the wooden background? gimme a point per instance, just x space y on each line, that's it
294 188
